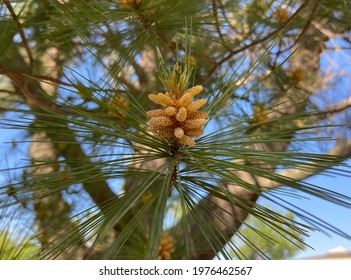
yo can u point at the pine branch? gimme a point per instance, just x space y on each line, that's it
285 104
257 42
331 110
218 28
30 91
159 34
341 150
302 31
75 157
220 178
21 32
308 22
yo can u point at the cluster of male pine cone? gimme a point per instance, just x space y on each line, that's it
178 120
166 247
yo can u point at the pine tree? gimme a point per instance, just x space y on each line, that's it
148 129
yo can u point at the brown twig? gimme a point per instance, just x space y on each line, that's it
8 73
342 150
8 91
159 34
60 82
47 78
259 41
331 110
21 82
51 79
215 15
308 23
304 29
21 32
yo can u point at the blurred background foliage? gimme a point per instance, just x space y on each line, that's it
81 178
